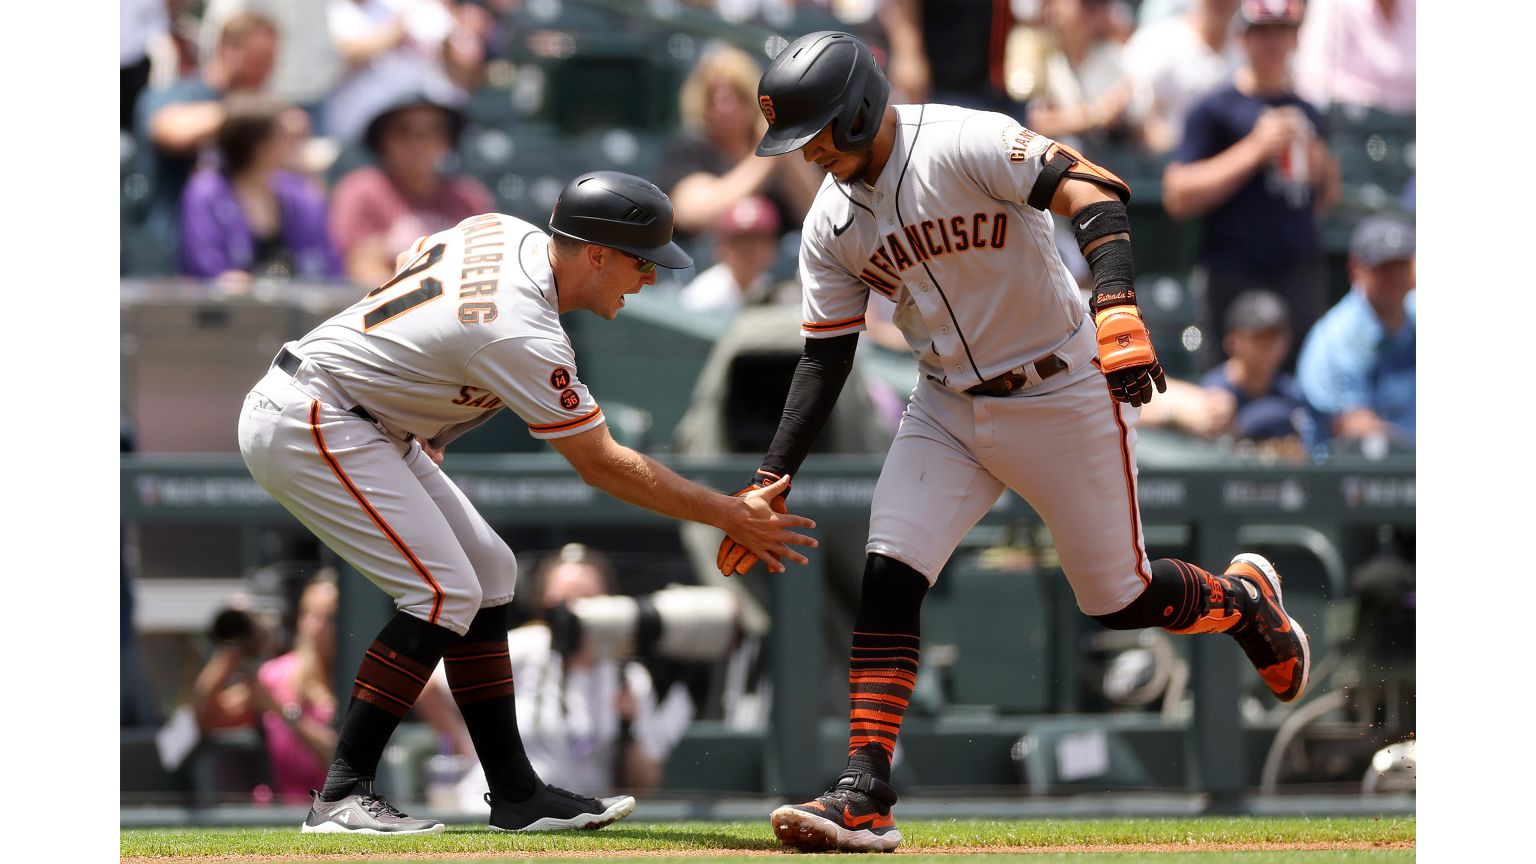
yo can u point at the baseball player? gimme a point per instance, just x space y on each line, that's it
347 428
946 211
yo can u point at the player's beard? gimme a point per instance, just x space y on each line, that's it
858 162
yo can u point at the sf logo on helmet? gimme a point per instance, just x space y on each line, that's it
766 103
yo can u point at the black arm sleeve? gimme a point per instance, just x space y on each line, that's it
819 378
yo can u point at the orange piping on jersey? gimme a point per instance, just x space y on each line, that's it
567 424
815 327
1130 492
421 569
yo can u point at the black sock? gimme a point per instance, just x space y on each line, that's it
480 676
391 676
882 668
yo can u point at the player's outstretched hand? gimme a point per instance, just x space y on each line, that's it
760 529
1134 385
1126 357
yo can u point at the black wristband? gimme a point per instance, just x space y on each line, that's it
819 378
1099 219
1113 275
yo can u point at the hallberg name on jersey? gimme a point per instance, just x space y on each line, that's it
931 238
483 267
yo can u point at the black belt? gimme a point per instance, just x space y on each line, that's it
1013 381
290 362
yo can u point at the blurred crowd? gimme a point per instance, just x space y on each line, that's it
283 139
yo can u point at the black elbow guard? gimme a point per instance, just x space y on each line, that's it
1062 162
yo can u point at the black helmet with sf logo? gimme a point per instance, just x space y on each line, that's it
621 211
821 78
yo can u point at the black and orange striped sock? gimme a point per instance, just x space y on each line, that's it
480 676
882 666
393 672
1183 598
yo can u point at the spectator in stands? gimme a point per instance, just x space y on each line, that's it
297 698
1270 410
1174 63
1357 364
1253 164
587 721
1149 12
1187 407
746 243
1358 52
1081 91
399 48
223 696
247 215
140 23
714 164
968 38
376 211
308 64
181 120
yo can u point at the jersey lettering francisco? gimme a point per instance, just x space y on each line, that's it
468 326
945 233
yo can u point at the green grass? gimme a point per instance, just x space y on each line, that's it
928 839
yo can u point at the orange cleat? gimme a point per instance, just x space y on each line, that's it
1273 640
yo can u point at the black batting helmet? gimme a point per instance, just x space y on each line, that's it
620 211
822 77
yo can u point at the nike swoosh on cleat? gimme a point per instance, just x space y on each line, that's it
872 820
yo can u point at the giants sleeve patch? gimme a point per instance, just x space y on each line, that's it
1022 144
560 378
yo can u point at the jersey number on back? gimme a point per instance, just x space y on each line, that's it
428 289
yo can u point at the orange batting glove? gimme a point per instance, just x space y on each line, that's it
734 557
1126 356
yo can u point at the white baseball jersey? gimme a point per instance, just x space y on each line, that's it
468 326
979 290
944 232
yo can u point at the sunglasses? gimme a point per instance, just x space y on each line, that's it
645 266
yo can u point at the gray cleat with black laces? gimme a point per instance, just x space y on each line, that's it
363 812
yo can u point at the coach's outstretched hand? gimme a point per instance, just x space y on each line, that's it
764 531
